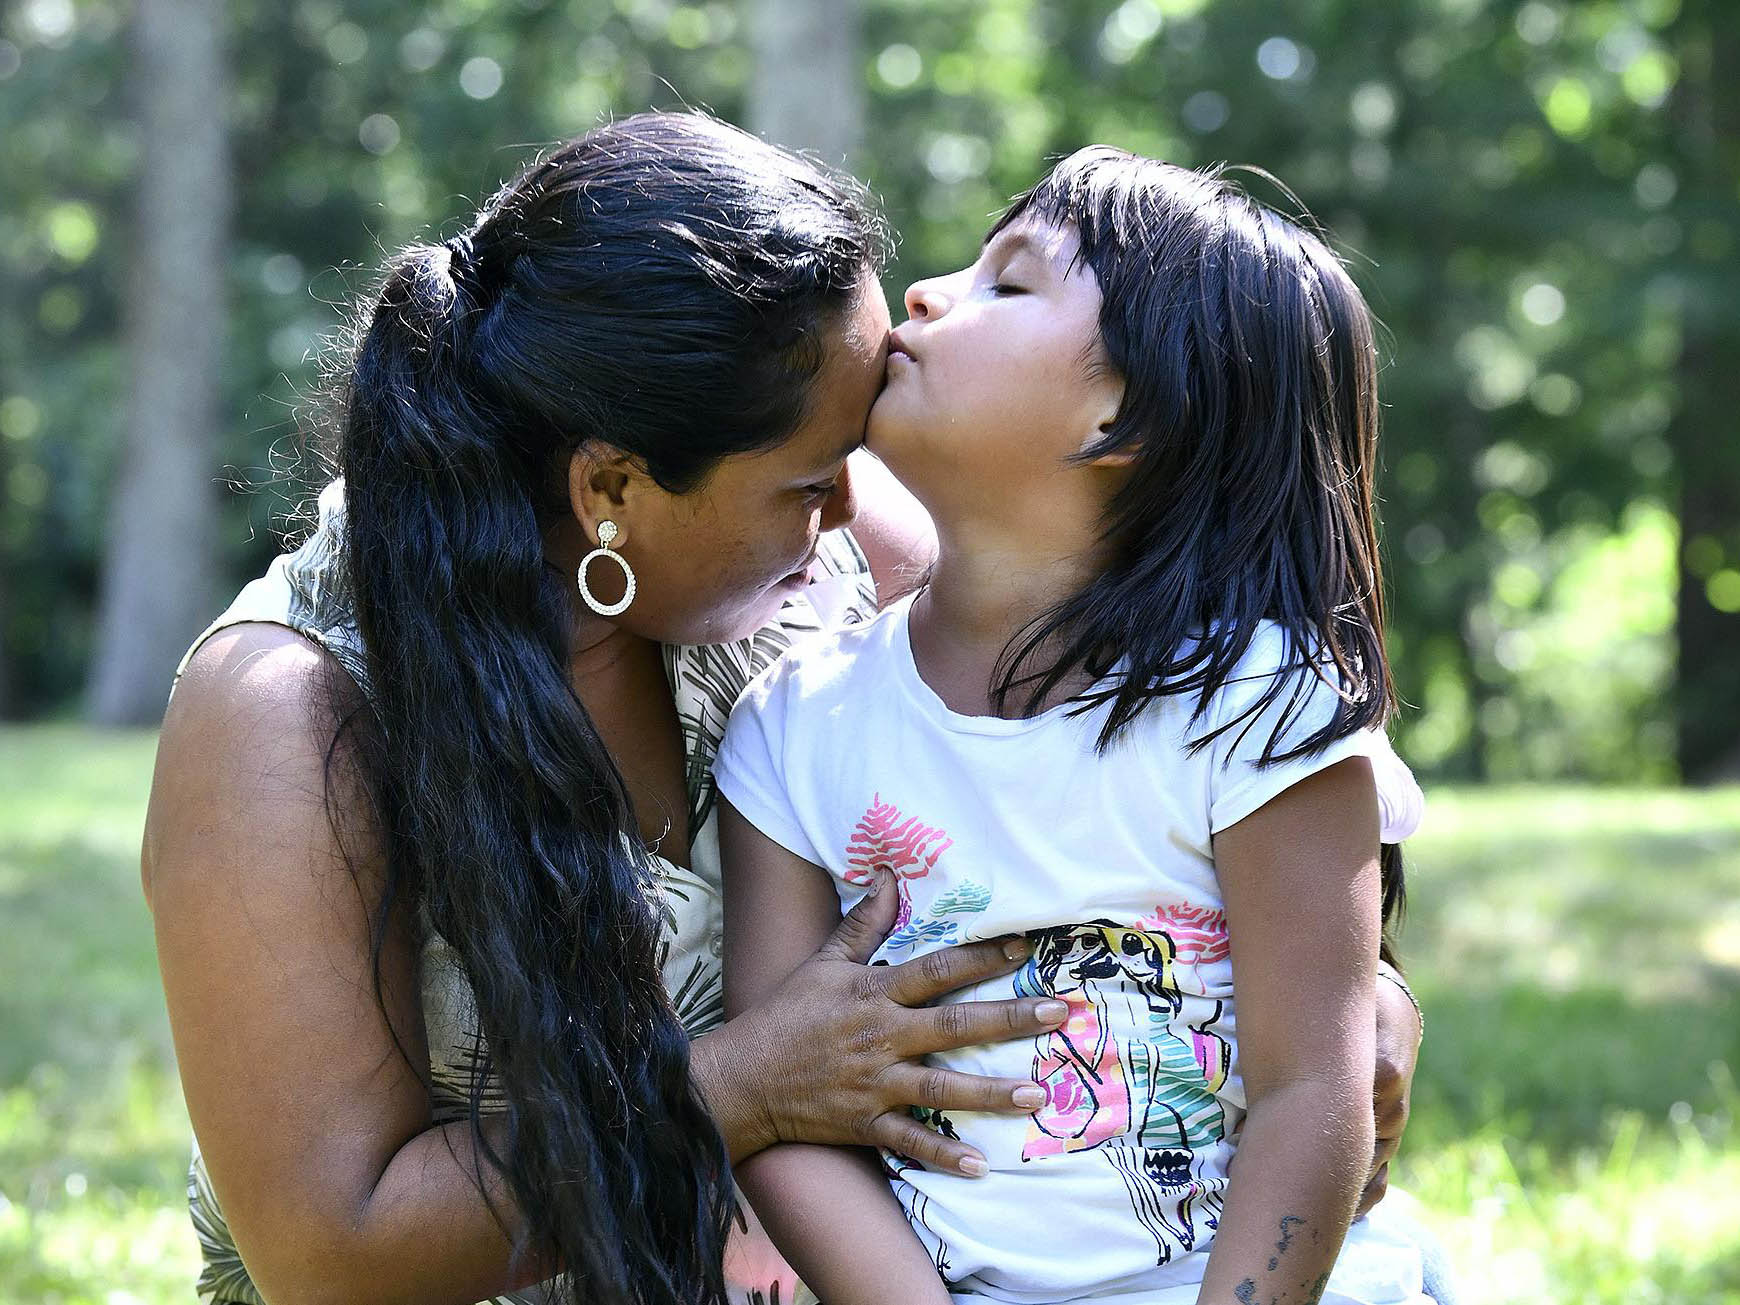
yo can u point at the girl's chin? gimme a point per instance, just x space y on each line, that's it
893 448
884 433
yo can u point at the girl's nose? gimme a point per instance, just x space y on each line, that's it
927 299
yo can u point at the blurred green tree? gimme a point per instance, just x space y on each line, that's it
158 576
807 88
1703 432
1538 197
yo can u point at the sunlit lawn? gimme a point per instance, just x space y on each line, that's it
1574 1139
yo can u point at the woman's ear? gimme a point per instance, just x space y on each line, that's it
603 482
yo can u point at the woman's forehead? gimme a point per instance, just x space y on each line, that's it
846 385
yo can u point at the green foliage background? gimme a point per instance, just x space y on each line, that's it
1518 185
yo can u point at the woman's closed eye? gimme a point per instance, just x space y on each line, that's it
1003 289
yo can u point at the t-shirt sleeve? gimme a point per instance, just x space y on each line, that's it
1401 804
750 766
1238 781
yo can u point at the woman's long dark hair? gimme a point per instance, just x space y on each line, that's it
665 285
1250 406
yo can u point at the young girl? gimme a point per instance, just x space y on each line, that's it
1135 718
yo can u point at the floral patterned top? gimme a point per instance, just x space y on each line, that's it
305 591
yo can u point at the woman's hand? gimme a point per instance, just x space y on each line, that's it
1398 1052
833 1055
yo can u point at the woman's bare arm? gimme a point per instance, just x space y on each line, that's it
316 1132
892 527
1399 1031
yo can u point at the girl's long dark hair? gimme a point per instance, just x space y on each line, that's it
665 285
1250 406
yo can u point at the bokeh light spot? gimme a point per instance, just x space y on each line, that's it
480 77
421 48
379 133
1543 304
899 66
346 43
72 231
1206 111
20 418
1279 58
1723 590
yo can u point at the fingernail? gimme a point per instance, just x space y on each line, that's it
1030 1096
974 1166
876 885
1017 949
1051 1012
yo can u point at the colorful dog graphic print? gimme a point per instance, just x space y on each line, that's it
1147 1100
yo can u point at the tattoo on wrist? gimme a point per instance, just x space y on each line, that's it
1246 1291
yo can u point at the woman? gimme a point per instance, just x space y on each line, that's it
432 832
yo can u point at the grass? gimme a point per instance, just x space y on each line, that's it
93 1135
1578 953
1574 1136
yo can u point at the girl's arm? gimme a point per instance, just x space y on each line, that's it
1300 878
829 1209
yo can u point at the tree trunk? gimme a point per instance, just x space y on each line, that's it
158 568
5 608
808 87
1706 431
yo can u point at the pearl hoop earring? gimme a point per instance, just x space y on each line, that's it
606 533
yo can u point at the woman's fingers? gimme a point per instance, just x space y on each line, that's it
1376 1188
901 1133
968 1023
946 1090
923 979
1398 1049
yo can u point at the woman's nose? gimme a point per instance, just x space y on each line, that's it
842 505
927 299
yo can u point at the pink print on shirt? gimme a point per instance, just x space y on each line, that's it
1197 932
907 847
1087 1101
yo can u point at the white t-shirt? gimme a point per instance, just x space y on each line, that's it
843 755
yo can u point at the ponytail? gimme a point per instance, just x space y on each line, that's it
664 285
505 821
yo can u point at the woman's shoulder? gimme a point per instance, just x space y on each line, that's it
246 742
304 590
